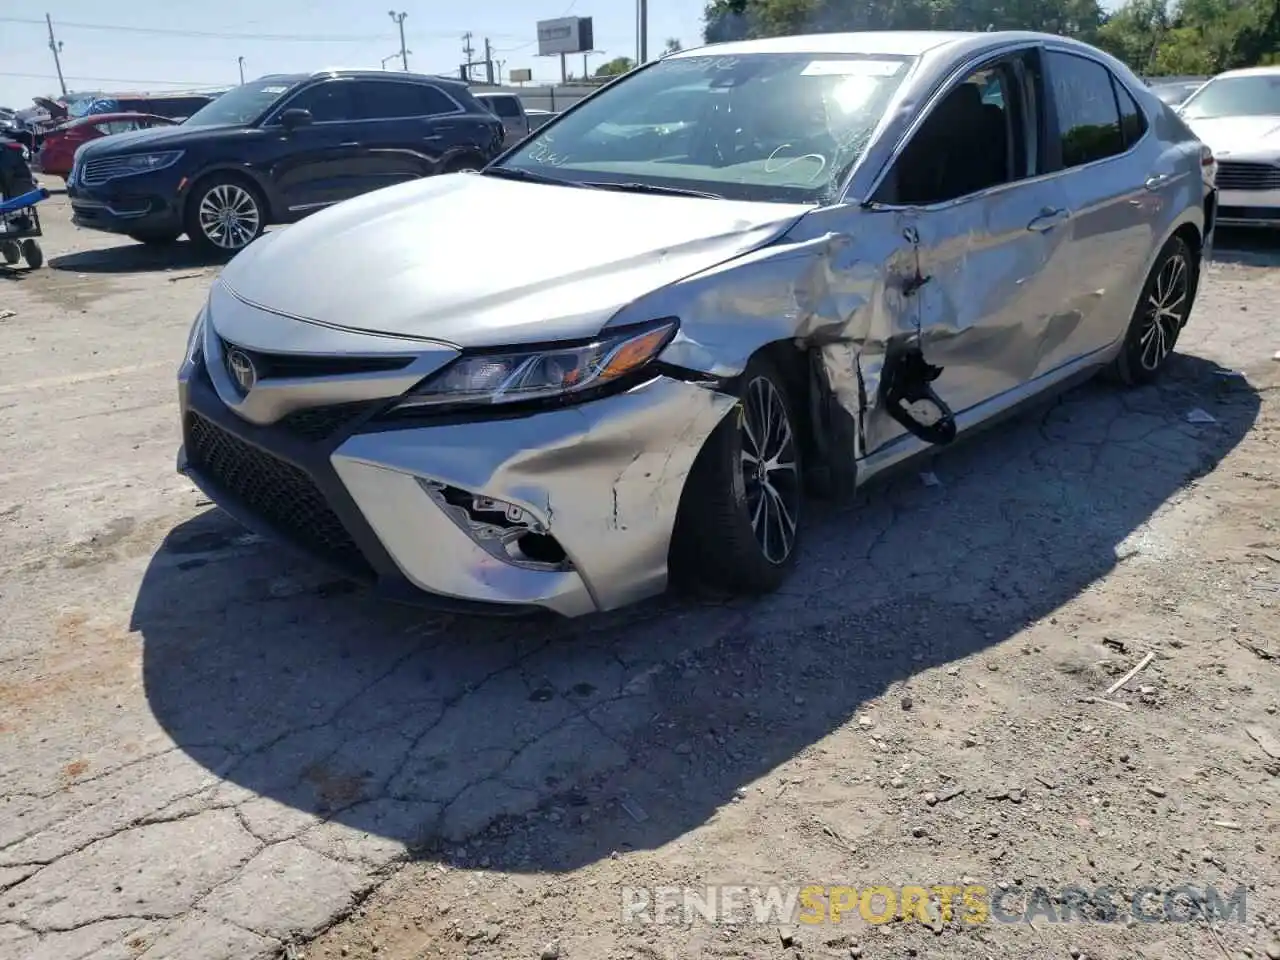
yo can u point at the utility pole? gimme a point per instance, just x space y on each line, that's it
642 32
468 51
56 46
404 51
488 61
501 66
240 61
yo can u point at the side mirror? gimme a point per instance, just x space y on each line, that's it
293 118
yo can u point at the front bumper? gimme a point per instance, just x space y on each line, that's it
147 203
1249 208
603 478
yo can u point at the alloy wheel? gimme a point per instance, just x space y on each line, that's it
229 216
770 470
1165 313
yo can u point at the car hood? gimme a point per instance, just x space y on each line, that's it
1232 135
474 260
158 138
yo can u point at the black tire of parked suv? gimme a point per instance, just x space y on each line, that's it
217 193
156 239
715 541
1161 313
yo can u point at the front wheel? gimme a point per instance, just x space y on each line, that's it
225 215
739 521
1162 312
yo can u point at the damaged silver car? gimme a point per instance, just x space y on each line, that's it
733 279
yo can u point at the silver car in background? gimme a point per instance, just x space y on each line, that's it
1237 114
852 249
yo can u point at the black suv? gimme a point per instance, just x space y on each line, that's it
273 150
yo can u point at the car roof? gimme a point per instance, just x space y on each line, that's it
366 74
1250 72
910 43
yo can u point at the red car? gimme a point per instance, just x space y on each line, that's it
60 144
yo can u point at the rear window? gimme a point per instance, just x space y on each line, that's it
503 106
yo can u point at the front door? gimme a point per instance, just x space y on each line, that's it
318 163
990 230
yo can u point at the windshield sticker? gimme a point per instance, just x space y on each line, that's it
274 89
852 68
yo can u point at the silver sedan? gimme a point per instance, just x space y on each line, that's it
811 259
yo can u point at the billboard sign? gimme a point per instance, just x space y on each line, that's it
564 35
521 76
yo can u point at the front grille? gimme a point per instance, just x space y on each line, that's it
1239 175
294 365
320 423
278 492
94 172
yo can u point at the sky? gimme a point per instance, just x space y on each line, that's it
158 45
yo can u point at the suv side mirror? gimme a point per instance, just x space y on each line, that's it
293 118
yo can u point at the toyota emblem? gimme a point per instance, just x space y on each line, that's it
241 369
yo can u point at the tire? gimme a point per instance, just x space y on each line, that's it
11 252
155 239
225 214
1158 319
716 542
32 253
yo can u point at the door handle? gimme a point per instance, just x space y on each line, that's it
434 136
350 143
1156 181
1048 219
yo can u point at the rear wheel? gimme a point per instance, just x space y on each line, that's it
11 252
33 254
1162 312
225 215
740 517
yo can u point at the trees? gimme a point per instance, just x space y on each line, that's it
1152 36
615 67
673 45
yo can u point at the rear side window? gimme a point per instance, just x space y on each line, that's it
327 101
505 106
390 100
1088 118
1132 122
116 126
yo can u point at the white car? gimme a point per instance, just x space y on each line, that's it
1237 114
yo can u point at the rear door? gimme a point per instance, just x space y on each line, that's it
1106 161
320 163
406 130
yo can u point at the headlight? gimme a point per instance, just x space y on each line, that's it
545 372
195 338
136 163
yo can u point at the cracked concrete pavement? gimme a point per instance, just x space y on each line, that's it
210 749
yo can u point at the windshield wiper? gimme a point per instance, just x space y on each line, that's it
519 173
653 188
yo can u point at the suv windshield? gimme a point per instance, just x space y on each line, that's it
763 126
243 104
1247 96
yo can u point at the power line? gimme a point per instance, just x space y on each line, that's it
163 83
204 34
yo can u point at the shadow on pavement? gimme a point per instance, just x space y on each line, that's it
1250 248
133 257
311 700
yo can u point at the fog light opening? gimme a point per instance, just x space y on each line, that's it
502 529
